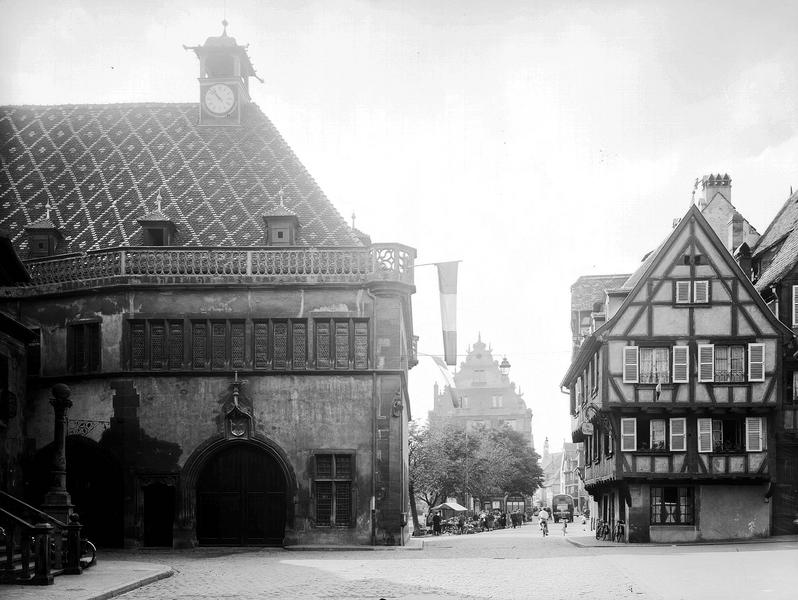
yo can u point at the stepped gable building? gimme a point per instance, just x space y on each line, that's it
675 396
237 354
774 268
484 396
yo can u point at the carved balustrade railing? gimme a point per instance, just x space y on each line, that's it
378 262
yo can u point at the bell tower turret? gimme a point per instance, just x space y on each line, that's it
225 69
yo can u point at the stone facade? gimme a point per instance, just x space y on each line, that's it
226 387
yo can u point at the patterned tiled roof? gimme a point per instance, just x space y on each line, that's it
101 168
782 224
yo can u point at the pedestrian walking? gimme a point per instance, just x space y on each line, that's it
543 519
436 524
564 526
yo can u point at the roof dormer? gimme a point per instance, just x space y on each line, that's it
157 228
44 237
282 225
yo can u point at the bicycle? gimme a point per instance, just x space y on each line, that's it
619 531
602 530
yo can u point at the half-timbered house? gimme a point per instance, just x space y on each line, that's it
774 268
674 396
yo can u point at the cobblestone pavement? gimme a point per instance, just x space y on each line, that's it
503 565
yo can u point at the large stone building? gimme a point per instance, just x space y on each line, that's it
237 354
676 394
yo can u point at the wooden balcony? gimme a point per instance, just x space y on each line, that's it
709 465
165 265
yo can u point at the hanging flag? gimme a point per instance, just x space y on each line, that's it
450 385
447 284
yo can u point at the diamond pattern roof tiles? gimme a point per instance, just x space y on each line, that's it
102 166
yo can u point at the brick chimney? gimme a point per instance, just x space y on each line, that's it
709 186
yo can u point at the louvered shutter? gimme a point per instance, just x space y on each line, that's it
794 306
701 292
753 434
705 435
682 292
706 362
630 358
681 364
756 362
678 441
628 435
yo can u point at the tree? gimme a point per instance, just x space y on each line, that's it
448 461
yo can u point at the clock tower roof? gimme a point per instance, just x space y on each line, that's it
224 44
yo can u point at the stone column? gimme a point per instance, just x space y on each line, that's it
57 502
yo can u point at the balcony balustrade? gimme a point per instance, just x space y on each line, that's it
378 262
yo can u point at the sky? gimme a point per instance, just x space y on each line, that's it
533 141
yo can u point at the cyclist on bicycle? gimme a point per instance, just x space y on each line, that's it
543 517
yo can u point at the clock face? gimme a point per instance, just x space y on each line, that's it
220 99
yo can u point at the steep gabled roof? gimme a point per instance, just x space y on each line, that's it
101 167
589 289
782 233
639 278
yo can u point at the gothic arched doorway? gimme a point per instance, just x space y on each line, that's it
95 486
241 498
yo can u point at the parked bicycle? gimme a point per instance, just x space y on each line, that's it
603 530
620 531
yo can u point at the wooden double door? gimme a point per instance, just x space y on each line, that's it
241 499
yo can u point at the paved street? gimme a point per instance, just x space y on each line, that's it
501 564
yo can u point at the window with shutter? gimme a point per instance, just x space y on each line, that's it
280 340
137 359
299 343
333 485
756 362
704 435
678 441
157 346
199 341
706 363
754 434
630 356
323 339
361 344
795 306
682 292
628 435
237 344
261 345
342 344
701 292
218 350
681 364
175 345
83 344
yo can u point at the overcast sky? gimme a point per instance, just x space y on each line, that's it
534 141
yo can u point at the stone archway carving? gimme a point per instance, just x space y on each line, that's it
185 535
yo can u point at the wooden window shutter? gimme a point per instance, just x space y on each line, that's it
753 434
756 362
261 345
299 344
704 435
794 306
157 345
628 435
630 361
682 292
280 345
681 364
706 362
137 354
237 344
701 292
678 442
